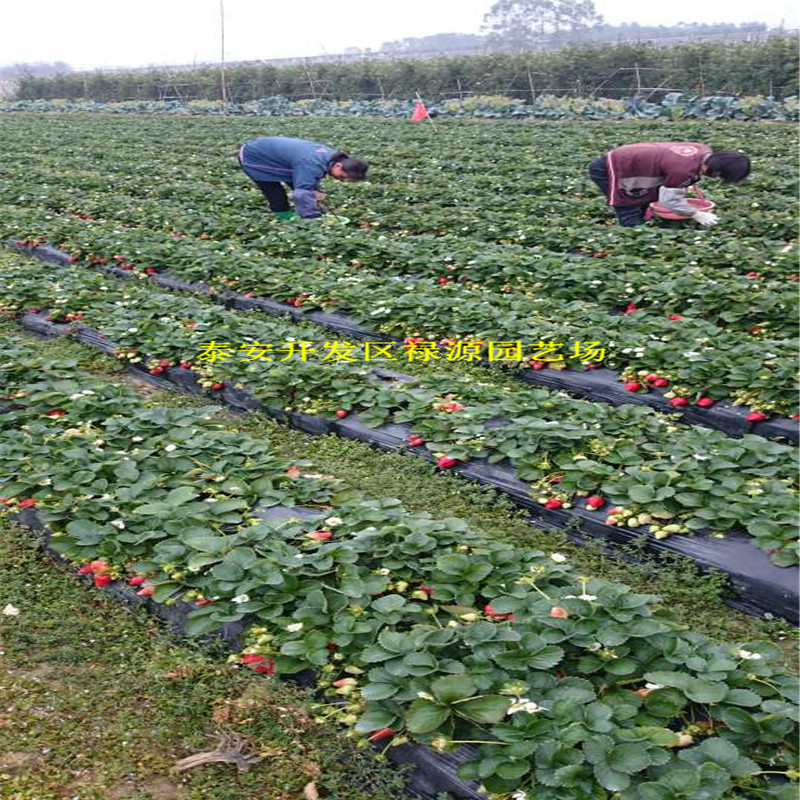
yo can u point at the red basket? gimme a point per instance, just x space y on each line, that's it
699 202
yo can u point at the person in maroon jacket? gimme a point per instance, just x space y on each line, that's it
635 175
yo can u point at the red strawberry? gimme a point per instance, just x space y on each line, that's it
383 733
554 502
679 402
293 472
443 280
755 416
705 402
146 591
595 501
217 386
632 386
415 441
249 294
651 378
28 502
56 412
675 317
203 602
98 566
319 536
136 580
342 413
660 383
795 417
102 580
445 462
156 370
427 590
631 308
538 364
86 569
559 613
151 271
164 363
259 663
752 274
186 365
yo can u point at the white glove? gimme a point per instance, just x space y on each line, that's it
705 218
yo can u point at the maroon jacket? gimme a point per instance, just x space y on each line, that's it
637 171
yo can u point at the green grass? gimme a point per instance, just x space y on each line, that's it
694 597
97 703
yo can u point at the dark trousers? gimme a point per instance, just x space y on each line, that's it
627 216
273 191
275 194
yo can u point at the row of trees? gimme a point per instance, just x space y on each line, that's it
763 68
442 43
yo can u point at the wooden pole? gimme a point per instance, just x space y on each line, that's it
223 85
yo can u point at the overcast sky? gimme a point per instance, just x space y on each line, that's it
94 33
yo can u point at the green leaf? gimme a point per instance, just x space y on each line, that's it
661 737
375 718
86 532
611 779
742 697
181 495
511 770
379 691
396 642
453 687
641 494
488 709
423 716
702 691
389 603
628 758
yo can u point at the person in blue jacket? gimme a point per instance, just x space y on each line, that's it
271 161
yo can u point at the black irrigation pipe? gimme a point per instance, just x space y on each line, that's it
757 586
602 385
433 772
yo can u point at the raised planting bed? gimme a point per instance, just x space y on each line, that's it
599 385
757 585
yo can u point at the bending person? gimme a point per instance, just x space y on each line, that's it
272 161
635 175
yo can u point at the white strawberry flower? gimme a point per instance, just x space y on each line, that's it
76 396
11 611
241 598
333 522
746 655
118 523
594 647
137 439
524 704
519 795
170 447
294 627
559 558
425 696
652 686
